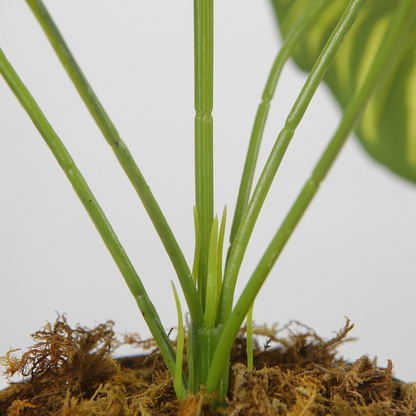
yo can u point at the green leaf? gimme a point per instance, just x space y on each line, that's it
211 291
219 254
177 375
197 253
388 127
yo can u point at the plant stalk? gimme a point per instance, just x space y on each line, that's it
263 185
93 208
400 27
123 155
204 178
298 30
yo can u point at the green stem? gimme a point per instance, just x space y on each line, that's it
400 27
211 301
178 385
204 182
219 254
205 340
92 207
263 185
197 252
250 337
190 359
123 155
302 25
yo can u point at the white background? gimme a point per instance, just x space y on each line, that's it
352 254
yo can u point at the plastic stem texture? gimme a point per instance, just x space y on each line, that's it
123 155
400 27
305 22
204 179
92 207
279 149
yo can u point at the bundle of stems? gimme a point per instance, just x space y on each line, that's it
209 285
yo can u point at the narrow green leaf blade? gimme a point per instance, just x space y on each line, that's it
177 376
211 301
219 252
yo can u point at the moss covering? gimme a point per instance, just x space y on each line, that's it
72 372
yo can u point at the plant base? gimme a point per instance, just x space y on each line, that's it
72 372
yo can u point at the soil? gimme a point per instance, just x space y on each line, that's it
72 372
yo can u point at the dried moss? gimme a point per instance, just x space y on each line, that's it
72 372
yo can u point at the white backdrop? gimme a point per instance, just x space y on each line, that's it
352 254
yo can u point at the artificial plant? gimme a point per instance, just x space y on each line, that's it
209 285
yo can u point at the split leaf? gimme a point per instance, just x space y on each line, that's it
387 129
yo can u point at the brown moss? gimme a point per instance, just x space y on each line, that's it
71 372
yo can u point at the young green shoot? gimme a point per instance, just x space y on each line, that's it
211 293
177 377
219 254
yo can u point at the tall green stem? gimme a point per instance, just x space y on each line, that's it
302 25
123 155
92 207
401 25
263 185
204 178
